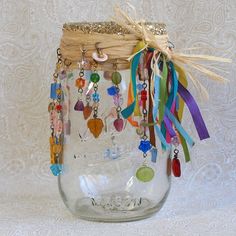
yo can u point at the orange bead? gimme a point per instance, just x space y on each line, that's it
80 83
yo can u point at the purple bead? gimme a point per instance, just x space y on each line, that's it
79 106
62 75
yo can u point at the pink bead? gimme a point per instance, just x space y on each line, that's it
58 127
118 100
119 124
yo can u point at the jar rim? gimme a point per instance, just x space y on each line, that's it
111 27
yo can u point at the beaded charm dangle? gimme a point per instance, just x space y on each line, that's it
176 169
95 125
80 83
117 98
144 173
56 123
175 164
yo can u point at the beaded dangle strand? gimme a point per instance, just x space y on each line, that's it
95 124
80 83
117 98
144 173
56 120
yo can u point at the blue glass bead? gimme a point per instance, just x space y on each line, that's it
145 146
154 155
56 169
139 87
96 97
54 87
112 91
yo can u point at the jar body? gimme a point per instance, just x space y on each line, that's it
99 180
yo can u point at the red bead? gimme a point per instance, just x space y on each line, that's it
144 95
58 107
176 167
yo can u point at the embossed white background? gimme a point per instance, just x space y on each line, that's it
201 202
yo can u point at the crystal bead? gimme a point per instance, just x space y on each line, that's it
145 146
58 107
94 77
96 97
118 100
144 95
80 83
116 78
139 87
112 91
56 169
145 174
175 141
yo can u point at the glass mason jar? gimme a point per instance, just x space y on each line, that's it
100 180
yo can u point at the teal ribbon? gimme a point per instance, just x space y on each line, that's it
165 145
128 111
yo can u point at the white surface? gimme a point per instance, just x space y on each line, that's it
202 202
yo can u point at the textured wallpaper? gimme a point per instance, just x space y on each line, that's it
30 31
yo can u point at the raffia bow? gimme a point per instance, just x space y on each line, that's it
160 43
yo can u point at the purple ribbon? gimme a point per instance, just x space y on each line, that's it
195 112
169 126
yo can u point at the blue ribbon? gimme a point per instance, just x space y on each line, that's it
128 111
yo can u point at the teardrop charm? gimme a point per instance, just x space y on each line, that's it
79 106
95 126
119 124
87 111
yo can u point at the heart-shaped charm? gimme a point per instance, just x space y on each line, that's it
87 111
79 106
95 126
119 124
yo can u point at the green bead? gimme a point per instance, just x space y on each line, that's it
145 174
116 78
94 77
